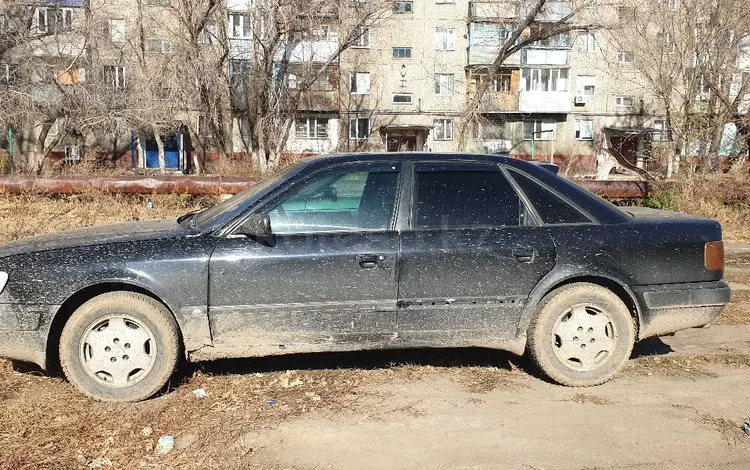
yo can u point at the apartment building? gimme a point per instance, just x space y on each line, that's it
403 84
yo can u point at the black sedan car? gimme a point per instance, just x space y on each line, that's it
363 251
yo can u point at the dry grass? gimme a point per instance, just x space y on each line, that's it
698 366
29 215
45 423
699 196
730 431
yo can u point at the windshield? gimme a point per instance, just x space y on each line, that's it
225 211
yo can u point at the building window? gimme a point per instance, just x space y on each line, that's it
114 77
624 101
490 130
487 34
444 84
311 128
401 98
50 20
162 93
545 79
117 30
443 129
667 42
324 32
539 130
445 39
402 52
624 57
209 34
4 74
660 130
71 76
501 83
239 67
669 5
359 128
158 46
584 129
556 40
586 41
360 83
363 38
403 7
239 25
585 86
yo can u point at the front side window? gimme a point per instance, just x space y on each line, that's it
586 85
401 52
363 38
345 200
117 31
586 41
464 197
114 77
403 7
551 208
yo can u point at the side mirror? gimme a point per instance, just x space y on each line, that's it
256 225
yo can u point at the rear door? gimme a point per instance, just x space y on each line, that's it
471 255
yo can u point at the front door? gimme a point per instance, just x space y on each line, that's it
402 143
471 257
325 281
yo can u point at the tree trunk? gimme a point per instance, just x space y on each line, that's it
160 146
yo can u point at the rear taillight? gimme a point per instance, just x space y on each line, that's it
713 256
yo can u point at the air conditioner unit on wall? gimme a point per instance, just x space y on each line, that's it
580 99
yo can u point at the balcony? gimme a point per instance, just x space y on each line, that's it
545 56
499 102
318 100
485 55
496 146
307 51
494 9
544 102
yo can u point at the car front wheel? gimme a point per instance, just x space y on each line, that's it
582 335
120 347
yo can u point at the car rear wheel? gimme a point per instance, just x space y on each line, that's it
582 335
120 347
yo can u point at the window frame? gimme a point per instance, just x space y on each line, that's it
356 137
246 32
165 47
445 38
625 58
533 79
354 80
458 165
401 48
446 126
578 130
361 42
590 41
548 126
120 77
403 3
311 123
536 216
620 101
447 90
402 103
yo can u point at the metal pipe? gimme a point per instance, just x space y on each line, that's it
214 185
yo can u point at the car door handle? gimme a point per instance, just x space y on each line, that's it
524 256
369 261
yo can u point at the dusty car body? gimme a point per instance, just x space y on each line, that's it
364 251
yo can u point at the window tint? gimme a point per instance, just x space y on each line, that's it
453 199
343 201
551 208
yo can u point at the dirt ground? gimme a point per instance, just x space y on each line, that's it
679 404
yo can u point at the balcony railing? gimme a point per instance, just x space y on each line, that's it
485 55
545 101
545 56
499 102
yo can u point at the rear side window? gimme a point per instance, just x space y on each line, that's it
550 207
465 198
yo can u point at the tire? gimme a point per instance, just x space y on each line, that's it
120 347
581 336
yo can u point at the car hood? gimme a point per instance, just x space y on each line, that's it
129 231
